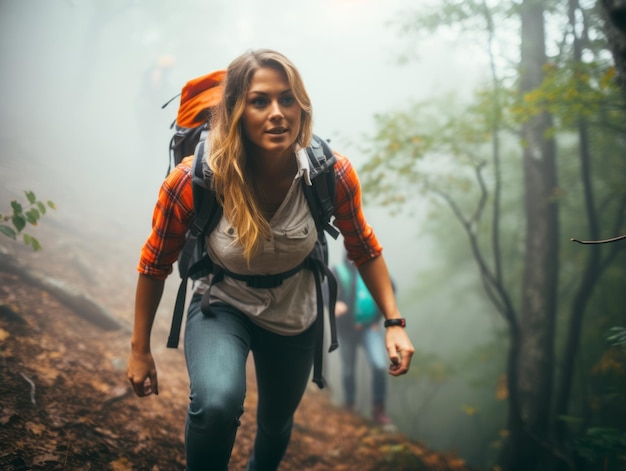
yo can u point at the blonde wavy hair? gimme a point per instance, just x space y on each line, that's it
227 158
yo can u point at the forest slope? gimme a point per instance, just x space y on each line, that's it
65 402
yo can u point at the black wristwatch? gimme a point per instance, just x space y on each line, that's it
391 322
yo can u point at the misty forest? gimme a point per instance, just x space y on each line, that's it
490 142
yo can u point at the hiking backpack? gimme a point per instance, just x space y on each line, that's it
198 97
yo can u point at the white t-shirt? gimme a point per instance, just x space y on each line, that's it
290 308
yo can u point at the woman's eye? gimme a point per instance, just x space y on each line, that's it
288 100
259 102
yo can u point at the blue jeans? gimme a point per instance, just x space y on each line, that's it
374 345
216 349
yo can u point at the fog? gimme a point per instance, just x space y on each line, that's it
81 125
74 81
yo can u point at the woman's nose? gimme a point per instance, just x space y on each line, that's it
275 110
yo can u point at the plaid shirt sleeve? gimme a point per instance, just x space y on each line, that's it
359 238
172 217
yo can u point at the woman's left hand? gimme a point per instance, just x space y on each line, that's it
400 350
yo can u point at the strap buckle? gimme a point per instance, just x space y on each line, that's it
265 281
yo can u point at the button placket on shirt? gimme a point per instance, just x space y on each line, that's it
269 244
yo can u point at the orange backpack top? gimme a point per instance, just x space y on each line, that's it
197 98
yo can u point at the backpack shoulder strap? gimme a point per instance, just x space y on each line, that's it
207 211
320 155
321 194
207 214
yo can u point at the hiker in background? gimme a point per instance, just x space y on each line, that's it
358 325
259 167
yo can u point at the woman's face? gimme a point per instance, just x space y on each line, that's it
272 116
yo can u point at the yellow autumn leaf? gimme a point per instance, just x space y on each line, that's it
496 444
456 463
607 78
469 410
4 335
121 464
612 361
434 461
36 428
502 390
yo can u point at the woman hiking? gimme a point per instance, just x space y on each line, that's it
258 161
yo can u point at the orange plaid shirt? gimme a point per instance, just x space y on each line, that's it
173 215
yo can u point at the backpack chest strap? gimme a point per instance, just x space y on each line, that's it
257 281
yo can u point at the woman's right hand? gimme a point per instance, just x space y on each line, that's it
142 374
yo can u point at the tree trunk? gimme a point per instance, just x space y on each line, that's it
529 424
591 272
613 13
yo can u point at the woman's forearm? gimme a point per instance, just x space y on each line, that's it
147 297
376 277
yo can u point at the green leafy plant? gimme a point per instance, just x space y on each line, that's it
617 336
601 445
29 213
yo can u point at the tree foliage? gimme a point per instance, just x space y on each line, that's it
464 156
23 214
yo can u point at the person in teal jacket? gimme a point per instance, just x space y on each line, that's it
359 325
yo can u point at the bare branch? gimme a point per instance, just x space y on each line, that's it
605 241
483 194
493 287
